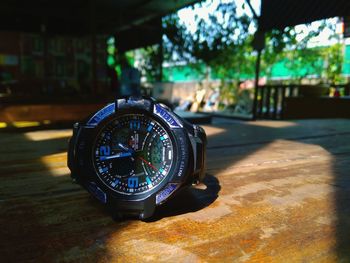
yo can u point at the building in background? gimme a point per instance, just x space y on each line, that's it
32 64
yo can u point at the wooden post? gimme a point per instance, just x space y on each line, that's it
267 102
93 46
282 101
45 56
256 84
275 101
260 111
258 45
161 58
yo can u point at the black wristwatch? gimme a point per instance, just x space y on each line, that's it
135 153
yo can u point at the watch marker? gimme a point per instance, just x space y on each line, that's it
149 181
116 181
150 127
102 170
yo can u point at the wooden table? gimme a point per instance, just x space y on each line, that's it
274 191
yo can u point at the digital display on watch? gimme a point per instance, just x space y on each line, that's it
133 154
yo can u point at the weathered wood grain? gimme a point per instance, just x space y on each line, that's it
274 191
42 112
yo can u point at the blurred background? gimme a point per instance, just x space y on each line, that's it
246 59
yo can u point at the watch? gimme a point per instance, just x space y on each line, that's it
134 154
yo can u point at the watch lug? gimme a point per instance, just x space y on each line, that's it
72 145
121 209
198 142
134 102
149 207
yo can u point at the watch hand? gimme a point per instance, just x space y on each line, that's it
148 163
125 148
118 155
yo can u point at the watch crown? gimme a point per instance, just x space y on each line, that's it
195 182
76 125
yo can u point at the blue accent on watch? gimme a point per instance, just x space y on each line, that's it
166 192
166 116
150 127
149 182
97 192
105 150
116 181
133 182
135 125
102 114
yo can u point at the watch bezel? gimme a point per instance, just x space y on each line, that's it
118 116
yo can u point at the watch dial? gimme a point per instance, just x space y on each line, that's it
132 154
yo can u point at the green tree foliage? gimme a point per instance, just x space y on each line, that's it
286 45
333 59
221 41
276 41
324 63
333 64
149 58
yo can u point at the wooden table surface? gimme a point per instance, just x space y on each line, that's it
275 191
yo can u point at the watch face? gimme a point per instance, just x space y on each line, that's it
133 154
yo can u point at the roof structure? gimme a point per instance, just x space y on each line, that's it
136 21
278 14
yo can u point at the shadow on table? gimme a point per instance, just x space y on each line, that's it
190 199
